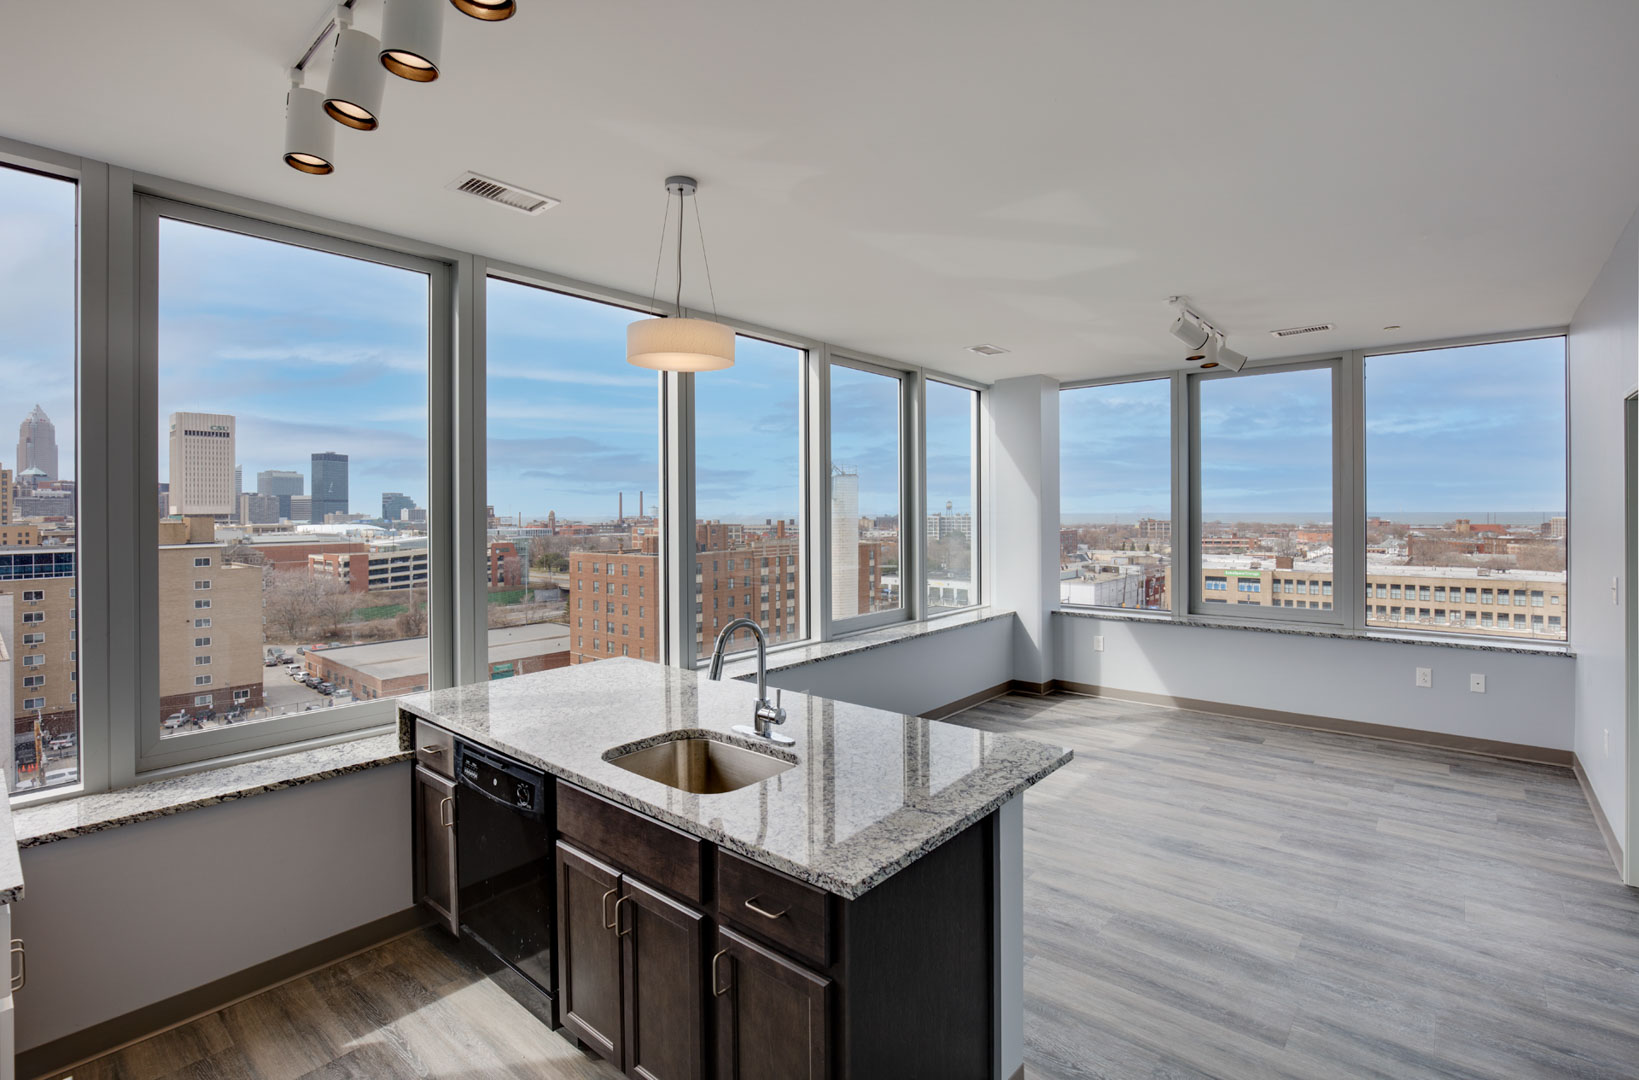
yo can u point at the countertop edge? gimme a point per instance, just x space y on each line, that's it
742 667
114 820
11 865
848 890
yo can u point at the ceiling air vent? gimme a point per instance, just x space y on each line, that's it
987 350
510 196
1294 331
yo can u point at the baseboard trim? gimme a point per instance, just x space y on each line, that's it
944 712
71 1051
1035 689
1467 744
1604 823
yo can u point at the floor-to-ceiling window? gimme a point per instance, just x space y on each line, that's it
953 486
867 492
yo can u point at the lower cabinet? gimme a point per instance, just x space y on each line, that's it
589 968
436 886
773 1016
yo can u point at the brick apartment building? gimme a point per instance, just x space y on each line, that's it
613 600
388 565
210 622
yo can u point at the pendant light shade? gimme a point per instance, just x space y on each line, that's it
412 37
488 10
680 345
357 81
310 137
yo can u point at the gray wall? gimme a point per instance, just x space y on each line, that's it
125 918
1021 519
912 676
1527 699
1604 365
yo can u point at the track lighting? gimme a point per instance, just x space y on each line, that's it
357 79
1219 355
487 10
1189 329
679 343
412 36
1205 341
310 137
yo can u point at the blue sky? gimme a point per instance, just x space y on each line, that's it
37 216
1472 430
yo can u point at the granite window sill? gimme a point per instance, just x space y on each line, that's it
744 666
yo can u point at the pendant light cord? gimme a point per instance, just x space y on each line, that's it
680 198
701 230
660 252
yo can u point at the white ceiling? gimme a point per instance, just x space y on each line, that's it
912 177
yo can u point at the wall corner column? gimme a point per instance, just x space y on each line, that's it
1022 515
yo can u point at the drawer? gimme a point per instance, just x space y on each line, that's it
779 909
657 853
435 748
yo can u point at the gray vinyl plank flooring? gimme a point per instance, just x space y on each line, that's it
1205 897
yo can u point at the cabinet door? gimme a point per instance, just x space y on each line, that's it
773 1016
435 869
589 990
665 985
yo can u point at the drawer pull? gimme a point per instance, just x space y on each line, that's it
764 912
19 980
448 801
717 990
619 931
433 748
608 923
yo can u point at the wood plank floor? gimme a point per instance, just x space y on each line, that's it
1204 897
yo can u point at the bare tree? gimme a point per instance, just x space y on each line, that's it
412 622
297 604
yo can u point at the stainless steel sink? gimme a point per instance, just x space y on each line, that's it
700 765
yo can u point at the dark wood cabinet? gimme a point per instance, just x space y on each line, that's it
773 1016
436 887
664 947
589 967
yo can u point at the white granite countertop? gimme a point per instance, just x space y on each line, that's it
84 814
742 663
870 793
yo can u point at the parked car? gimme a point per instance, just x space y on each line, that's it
326 688
175 720
301 650
312 681
61 742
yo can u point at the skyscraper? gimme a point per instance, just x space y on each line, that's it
37 444
844 543
202 464
329 484
394 501
282 483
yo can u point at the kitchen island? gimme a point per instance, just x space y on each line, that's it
848 906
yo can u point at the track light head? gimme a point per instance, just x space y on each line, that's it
310 137
1219 356
487 10
412 37
357 81
1189 329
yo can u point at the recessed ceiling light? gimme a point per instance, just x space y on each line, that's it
986 350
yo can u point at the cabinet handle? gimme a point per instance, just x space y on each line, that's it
618 931
608 923
716 989
449 801
764 912
19 980
433 749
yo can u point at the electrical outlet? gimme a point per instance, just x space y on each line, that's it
1425 676
1476 684
1098 643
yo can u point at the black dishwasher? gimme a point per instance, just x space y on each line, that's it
503 812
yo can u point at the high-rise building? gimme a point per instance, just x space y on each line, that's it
202 464
258 509
238 483
394 501
329 484
301 508
844 543
37 444
5 496
282 484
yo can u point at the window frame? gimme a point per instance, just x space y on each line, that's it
976 493
153 750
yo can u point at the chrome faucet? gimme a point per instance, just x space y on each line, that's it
766 714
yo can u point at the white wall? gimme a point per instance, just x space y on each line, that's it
1527 698
1022 514
912 676
121 919
1603 354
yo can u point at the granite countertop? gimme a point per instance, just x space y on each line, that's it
46 822
11 866
870 791
742 663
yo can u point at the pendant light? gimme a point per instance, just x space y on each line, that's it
310 137
412 36
357 79
487 10
680 343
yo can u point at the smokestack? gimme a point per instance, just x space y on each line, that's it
640 504
622 498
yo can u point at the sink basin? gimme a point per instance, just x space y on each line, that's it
700 765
